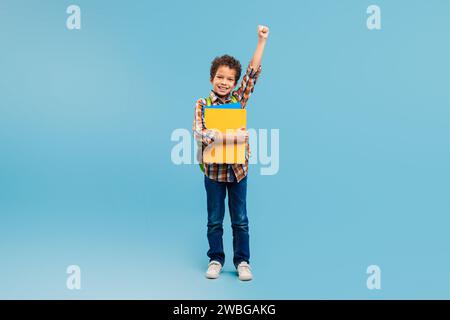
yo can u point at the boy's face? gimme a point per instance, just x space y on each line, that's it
224 81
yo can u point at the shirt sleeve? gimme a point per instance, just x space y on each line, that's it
201 133
247 85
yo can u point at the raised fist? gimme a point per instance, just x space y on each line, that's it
263 32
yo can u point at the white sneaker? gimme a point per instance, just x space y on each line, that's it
244 271
214 268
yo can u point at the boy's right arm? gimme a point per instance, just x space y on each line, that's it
201 133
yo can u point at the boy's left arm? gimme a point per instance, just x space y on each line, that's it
254 68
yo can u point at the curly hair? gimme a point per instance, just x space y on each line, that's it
228 61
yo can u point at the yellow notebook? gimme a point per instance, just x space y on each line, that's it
225 118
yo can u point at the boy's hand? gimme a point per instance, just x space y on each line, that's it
217 134
263 32
242 132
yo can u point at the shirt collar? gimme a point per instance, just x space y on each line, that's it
215 97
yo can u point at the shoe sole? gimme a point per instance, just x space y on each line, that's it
245 279
211 276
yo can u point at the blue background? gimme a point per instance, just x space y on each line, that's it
86 176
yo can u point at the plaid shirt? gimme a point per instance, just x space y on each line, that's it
223 172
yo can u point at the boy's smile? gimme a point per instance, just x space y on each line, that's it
224 81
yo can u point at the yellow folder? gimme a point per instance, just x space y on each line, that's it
226 119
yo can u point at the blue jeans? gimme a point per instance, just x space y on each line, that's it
237 193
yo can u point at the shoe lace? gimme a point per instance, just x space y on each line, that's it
214 265
244 267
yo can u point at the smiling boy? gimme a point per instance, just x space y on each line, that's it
220 178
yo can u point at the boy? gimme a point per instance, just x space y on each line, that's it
224 74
